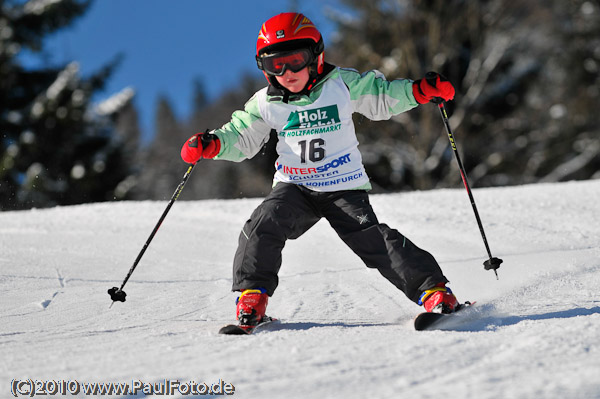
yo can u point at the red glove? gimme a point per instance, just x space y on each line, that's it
434 86
200 145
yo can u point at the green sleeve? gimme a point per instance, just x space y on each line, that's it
243 136
377 98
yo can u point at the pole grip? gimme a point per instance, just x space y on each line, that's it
431 78
206 138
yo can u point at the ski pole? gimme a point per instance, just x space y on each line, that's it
492 263
117 294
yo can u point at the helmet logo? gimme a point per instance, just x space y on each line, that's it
280 34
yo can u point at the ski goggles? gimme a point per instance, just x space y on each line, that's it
276 64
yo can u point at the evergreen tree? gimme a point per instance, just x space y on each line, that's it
200 99
120 112
162 165
54 148
569 96
527 87
220 179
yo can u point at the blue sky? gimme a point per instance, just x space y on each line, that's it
168 44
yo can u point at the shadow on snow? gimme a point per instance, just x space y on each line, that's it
485 320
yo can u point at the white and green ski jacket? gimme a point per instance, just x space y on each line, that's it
317 144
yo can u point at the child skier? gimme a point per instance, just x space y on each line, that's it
319 172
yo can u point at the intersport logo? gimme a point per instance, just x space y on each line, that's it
336 163
318 117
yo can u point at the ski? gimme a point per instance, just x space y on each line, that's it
238 329
431 320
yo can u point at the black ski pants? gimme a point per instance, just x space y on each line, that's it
290 210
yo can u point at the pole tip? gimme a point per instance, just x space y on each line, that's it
492 264
117 294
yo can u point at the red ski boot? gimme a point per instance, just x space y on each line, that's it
251 307
439 299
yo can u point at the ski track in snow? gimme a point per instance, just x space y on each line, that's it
344 330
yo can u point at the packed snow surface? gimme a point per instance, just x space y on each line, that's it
345 332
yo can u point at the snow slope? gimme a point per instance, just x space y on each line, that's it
345 331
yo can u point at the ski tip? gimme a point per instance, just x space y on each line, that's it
425 320
428 320
236 329
233 329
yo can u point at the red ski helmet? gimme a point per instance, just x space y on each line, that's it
287 32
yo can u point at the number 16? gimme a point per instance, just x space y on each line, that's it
316 152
